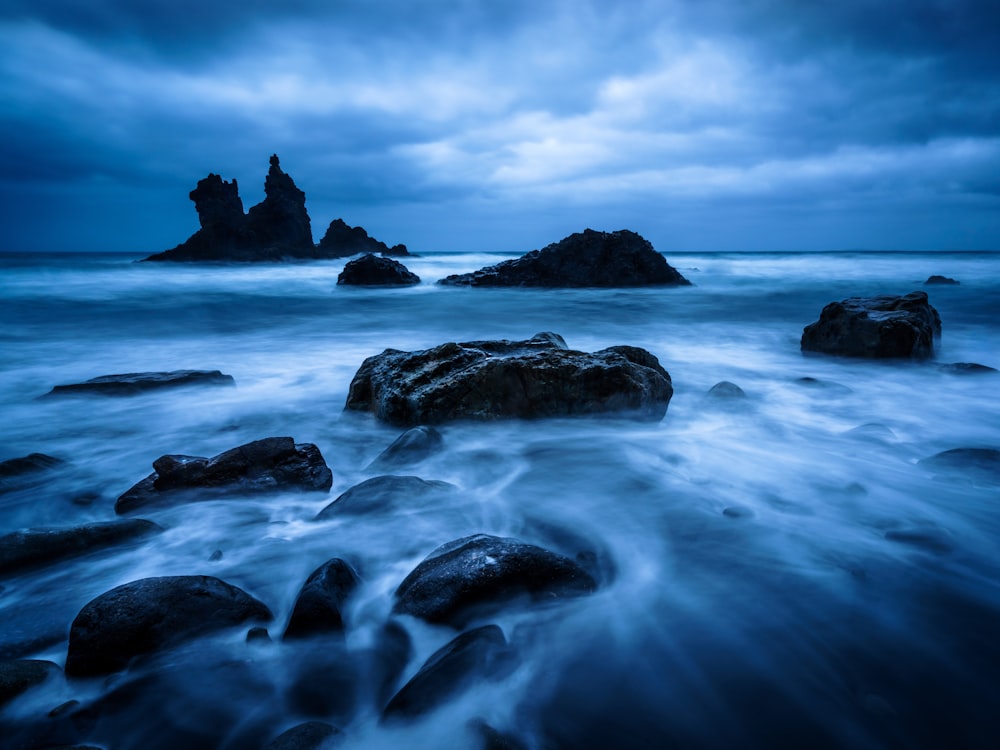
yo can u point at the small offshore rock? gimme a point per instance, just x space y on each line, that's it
270 465
151 614
487 380
880 327
481 574
342 240
583 259
20 675
312 735
40 546
135 383
317 609
726 390
479 654
967 368
409 449
935 279
384 493
375 270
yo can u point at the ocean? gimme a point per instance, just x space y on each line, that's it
782 572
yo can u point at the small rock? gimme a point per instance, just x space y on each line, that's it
215 556
384 493
409 449
941 280
493 739
726 390
258 635
30 547
19 676
312 735
134 383
317 609
967 368
930 539
15 471
375 270
978 463
738 511
824 388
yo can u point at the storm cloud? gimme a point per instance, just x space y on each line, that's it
454 124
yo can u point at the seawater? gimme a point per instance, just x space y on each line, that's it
753 594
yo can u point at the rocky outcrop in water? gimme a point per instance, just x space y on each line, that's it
981 464
342 240
273 464
584 259
373 270
134 383
487 380
385 493
15 472
944 280
409 449
317 609
880 327
480 575
151 614
32 547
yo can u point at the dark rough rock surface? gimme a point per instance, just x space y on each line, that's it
480 574
485 380
374 270
270 465
584 259
967 368
317 609
30 547
977 463
19 676
342 240
409 449
134 383
15 471
393 649
280 221
479 654
384 493
726 390
886 326
941 280
312 735
150 614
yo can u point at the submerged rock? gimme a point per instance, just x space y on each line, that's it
342 240
133 383
479 654
977 463
373 270
317 609
487 380
886 326
479 575
967 368
387 492
151 614
312 735
15 472
19 676
270 465
724 390
410 448
584 259
941 280
31 547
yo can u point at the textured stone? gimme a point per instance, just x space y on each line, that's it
342 240
134 383
373 270
31 547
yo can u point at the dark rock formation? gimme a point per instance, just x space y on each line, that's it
133 383
17 677
150 614
280 221
479 654
15 472
584 259
977 463
31 547
726 391
384 493
967 368
270 465
409 449
392 651
875 327
312 735
342 240
487 380
941 280
493 739
373 270
317 609
481 574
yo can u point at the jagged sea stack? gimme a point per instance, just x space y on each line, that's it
342 240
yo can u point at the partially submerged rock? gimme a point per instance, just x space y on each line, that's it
935 279
133 383
409 449
886 326
726 391
967 368
342 240
311 735
387 492
976 463
584 259
486 380
317 609
15 472
19 676
373 270
270 465
480 574
151 614
31 547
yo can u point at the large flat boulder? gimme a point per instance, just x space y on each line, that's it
273 464
486 380
584 259
134 383
886 326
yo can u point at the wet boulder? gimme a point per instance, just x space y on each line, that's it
480 575
726 391
150 614
944 280
385 493
270 465
584 259
981 464
476 655
32 547
19 676
487 380
311 735
317 609
15 472
409 449
134 383
880 327
342 240
374 270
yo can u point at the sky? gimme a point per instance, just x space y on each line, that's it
473 125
